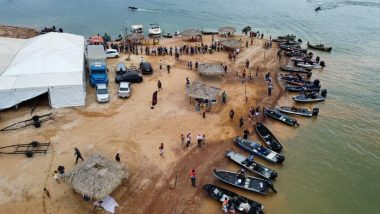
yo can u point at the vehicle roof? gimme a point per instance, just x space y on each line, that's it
146 64
125 84
101 86
98 65
95 51
111 50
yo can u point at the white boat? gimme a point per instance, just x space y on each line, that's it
306 65
137 29
154 30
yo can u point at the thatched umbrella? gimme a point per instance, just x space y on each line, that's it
227 30
96 177
201 90
211 69
191 34
231 43
135 38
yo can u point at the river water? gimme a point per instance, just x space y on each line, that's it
332 162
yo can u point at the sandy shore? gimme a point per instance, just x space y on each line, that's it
131 128
17 32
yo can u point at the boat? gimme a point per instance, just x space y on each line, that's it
308 65
259 150
154 30
275 114
318 8
268 138
167 35
241 203
296 81
294 69
311 97
304 88
320 47
250 183
290 77
299 111
137 29
287 37
132 8
253 166
209 32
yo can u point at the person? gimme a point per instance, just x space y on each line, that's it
244 72
182 140
61 170
241 122
204 140
188 139
196 64
250 160
224 97
232 113
250 76
245 134
204 114
117 157
47 192
270 87
168 68
56 177
225 205
241 176
193 177
187 82
232 208
160 64
78 154
161 148
247 63
159 85
98 205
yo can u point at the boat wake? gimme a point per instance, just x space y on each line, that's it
333 5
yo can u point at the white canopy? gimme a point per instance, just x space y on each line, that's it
52 63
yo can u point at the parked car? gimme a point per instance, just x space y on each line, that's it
124 89
112 53
102 95
146 68
120 68
129 76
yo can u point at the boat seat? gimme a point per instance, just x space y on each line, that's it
246 184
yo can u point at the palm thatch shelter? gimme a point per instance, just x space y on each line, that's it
211 69
200 90
191 35
231 44
96 177
227 31
135 38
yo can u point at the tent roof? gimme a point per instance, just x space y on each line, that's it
191 33
136 36
52 59
8 50
96 177
201 90
227 29
231 43
211 69
96 38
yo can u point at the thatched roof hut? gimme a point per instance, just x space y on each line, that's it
201 90
135 38
227 30
96 177
211 69
192 35
231 44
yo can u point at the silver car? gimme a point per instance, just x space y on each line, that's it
124 89
102 95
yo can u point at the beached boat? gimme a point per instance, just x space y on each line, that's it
249 183
167 35
305 88
253 166
259 150
137 29
299 111
296 81
275 114
294 69
290 77
154 30
308 65
287 37
268 137
132 8
311 97
320 47
240 203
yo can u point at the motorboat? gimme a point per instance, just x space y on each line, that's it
154 30
137 29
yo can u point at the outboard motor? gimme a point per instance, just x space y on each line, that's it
304 51
280 158
308 74
315 111
316 83
322 63
273 175
317 59
324 93
270 185
300 40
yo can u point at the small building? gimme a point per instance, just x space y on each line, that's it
211 69
202 94
96 177
135 39
191 35
231 44
227 31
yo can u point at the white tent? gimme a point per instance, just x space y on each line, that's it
52 63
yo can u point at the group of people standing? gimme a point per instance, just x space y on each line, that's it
201 140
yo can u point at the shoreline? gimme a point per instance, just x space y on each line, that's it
152 178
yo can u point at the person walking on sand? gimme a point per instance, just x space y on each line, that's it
193 177
270 87
159 85
78 154
182 140
247 63
56 177
161 148
241 122
232 113
160 64
250 76
257 70
117 157
168 68
204 141
199 140
47 192
188 139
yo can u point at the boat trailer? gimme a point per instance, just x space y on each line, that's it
35 121
27 149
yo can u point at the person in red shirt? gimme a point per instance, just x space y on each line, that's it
193 177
